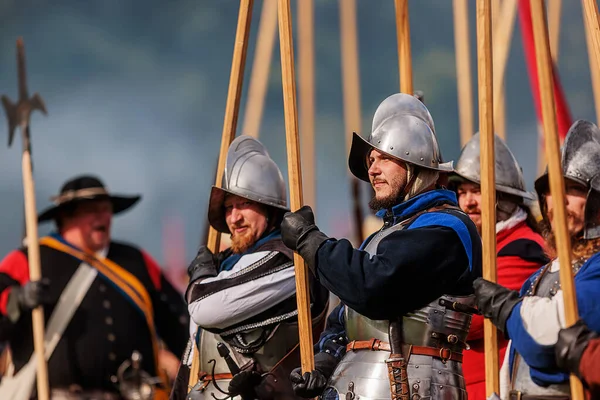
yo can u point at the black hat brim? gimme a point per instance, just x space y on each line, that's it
119 204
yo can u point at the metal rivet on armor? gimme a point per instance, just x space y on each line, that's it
416 366
391 147
435 311
434 334
422 158
407 153
327 351
379 141
334 341
441 387
111 337
106 304
108 320
439 372
341 338
418 381
415 386
112 356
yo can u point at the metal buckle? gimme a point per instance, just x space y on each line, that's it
446 351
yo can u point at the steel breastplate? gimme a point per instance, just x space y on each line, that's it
281 341
364 373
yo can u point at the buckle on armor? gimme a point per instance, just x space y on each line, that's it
445 354
515 395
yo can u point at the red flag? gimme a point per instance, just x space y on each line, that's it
563 115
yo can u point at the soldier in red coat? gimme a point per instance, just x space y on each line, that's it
519 245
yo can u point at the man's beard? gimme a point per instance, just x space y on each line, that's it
387 202
241 243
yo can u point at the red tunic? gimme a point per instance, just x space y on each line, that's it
520 254
589 368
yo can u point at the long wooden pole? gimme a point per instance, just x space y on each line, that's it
351 90
488 189
557 189
554 11
35 273
232 108
463 70
404 54
593 56
503 27
295 177
306 96
261 66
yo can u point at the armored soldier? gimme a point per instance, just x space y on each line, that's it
533 318
405 309
110 347
518 243
243 299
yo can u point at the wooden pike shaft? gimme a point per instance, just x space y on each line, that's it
295 177
591 36
404 54
554 11
232 108
234 95
503 28
351 90
306 97
35 274
557 189
488 190
463 70
259 80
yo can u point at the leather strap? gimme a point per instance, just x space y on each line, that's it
377 345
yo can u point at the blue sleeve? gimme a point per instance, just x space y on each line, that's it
412 267
333 339
540 358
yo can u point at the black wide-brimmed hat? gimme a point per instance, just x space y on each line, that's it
82 188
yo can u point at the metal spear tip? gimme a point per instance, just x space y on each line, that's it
18 113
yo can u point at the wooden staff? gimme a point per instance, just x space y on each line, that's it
488 189
503 27
463 70
554 11
232 108
351 90
259 79
404 55
555 173
295 177
18 116
593 60
306 79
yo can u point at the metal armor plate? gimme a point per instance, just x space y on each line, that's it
363 374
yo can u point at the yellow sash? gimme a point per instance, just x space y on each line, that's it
126 282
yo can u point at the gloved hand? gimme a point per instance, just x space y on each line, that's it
244 384
570 346
299 233
311 384
203 266
495 301
27 297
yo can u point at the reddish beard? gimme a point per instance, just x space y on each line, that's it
242 242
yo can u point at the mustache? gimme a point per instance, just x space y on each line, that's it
379 181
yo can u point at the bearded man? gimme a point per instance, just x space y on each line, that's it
519 245
405 297
244 299
533 318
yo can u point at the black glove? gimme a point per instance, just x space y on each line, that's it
495 301
313 383
203 266
27 297
299 233
571 344
244 384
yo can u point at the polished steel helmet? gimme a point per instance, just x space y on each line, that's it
249 173
580 160
509 175
402 128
